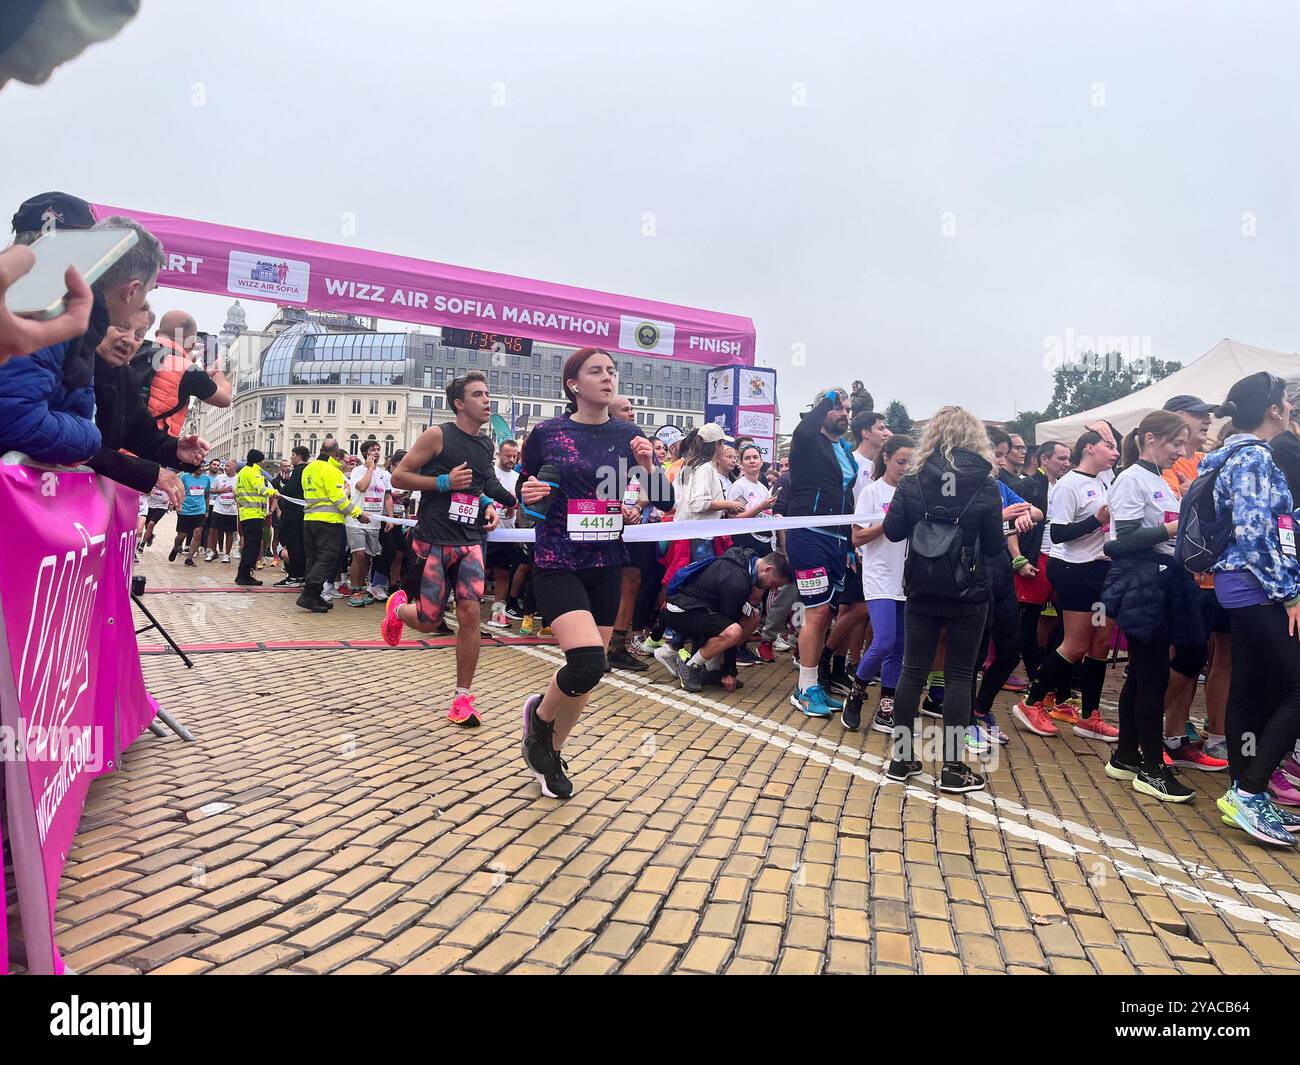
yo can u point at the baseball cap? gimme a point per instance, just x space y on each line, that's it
670 435
70 212
1190 404
712 432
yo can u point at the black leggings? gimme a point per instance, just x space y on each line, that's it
1029 649
1003 627
920 641
1264 696
1142 704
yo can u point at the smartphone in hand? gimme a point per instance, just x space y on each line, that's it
40 293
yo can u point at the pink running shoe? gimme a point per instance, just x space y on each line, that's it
391 627
1291 769
1094 728
1283 791
462 711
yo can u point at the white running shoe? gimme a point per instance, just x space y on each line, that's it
209 556
225 558
782 644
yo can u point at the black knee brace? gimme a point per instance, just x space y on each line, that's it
583 667
1187 661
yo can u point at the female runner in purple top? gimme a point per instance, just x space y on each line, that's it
577 471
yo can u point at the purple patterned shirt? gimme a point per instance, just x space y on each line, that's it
594 462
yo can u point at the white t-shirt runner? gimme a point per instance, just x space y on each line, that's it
371 501
865 466
1140 495
509 480
882 560
751 492
1077 497
223 495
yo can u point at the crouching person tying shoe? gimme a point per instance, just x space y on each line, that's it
714 603
575 470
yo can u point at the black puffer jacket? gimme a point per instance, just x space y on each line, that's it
1153 599
723 586
943 491
124 422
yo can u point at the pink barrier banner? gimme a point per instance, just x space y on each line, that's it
204 257
71 690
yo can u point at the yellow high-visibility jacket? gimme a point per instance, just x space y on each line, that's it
326 493
252 492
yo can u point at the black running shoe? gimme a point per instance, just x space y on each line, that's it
624 660
851 717
746 657
884 719
900 770
931 709
247 582
958 777
171 555
841 683
540 754
1162 784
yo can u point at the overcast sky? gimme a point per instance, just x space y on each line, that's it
920 196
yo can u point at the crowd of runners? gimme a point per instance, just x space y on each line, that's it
907 577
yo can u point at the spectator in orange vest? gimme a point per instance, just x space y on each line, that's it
177 375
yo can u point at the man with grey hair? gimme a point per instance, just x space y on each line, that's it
46 399
120 414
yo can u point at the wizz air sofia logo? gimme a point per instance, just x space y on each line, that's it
268 276
54 672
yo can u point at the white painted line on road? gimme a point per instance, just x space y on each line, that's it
819 750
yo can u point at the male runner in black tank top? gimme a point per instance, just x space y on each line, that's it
452 466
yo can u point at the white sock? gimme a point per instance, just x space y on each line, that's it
807 677
696 659
1173 742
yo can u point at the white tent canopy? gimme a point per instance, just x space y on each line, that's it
1209 378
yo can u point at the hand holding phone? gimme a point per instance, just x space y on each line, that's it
40 292
22 336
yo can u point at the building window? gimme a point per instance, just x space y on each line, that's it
537 410
690 422
329 406
649 418
354 442
438 403
526 383
514 382
356 409
428 401
312 445
297 440
315 406
297 406
428 377
557 410
374 406
270 446
493 379
389 444
392 406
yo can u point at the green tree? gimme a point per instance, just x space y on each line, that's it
897 418
1092 380
1023 424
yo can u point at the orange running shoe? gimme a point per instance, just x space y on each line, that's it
1093 727
1067 711
1033 717
462 711
391 627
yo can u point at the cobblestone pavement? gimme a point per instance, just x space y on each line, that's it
330 819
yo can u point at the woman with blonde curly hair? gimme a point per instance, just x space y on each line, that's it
949 510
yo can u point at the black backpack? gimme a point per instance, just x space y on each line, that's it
1203 532
937 565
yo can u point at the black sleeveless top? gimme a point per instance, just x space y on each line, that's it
455 517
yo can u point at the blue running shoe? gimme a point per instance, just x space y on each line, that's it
1256 816
830 700
813 702
991 728
976 741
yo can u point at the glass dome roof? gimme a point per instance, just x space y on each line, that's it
307 354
